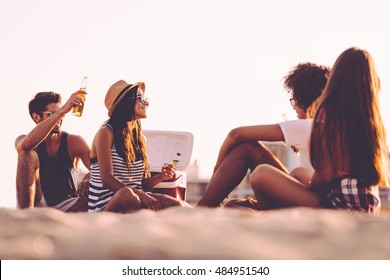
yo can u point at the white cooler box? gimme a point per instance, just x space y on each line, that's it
162 146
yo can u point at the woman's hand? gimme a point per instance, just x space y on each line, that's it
148 201
167 172
83 188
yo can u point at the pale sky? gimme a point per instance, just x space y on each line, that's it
208 65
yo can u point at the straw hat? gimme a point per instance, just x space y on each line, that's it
117 91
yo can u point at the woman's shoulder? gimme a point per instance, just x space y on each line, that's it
107 126
104 129
104 132
103 138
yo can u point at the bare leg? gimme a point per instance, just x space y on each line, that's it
28 188
124 201
248 203
169 201
276 189
234 168
80 206
303 175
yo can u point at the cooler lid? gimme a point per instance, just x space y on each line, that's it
163 145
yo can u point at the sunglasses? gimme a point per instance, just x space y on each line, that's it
142 97
292 102
47 112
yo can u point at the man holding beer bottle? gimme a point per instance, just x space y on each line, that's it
48 158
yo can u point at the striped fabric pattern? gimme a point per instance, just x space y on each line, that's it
99 195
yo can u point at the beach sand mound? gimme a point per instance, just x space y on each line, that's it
176 233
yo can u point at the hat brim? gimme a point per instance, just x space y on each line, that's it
120 97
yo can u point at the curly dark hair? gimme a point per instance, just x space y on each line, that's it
41 100
305 82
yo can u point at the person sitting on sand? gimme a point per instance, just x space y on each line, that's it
347 147
242 150
120 174
48 158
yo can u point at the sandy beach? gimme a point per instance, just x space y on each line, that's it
176 233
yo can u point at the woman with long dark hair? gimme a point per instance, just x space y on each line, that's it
120 174
348 146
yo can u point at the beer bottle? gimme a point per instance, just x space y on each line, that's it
175 159
78 109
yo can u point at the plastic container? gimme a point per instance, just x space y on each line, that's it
162 147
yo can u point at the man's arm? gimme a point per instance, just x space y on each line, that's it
42 129
271 132
78 149
39 133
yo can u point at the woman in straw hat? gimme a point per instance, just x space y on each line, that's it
120 175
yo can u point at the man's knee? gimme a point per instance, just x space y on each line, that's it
246 147
254 153
253 148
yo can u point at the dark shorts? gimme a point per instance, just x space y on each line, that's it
351 194
63 206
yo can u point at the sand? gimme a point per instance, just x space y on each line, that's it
176 233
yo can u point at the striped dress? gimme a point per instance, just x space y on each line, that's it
99 195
